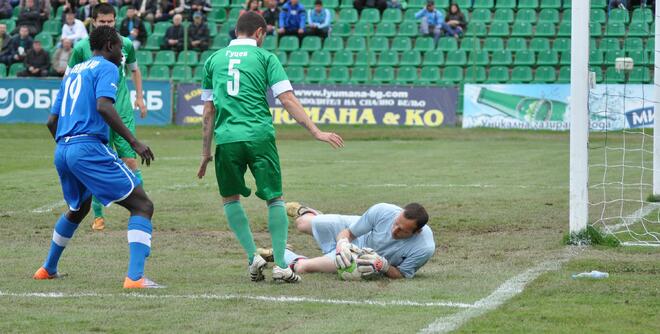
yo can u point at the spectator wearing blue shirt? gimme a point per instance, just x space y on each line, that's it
319 20
292 19
433 21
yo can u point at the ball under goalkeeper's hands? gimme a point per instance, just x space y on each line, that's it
350 273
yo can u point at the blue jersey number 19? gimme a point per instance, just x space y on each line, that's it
72 88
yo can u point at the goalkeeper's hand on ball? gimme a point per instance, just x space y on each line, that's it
371 265
343 254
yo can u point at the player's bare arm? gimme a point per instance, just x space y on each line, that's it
107 110
136 75
52 124
208 120
295 109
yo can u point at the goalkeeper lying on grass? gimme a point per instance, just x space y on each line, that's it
386 240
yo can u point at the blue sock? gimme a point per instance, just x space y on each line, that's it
63 232
139 245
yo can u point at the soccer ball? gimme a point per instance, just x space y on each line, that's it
351 273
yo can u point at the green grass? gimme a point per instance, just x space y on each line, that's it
498 202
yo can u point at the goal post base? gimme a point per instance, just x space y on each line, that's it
590 236
654 198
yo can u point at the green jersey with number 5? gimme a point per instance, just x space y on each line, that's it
236 79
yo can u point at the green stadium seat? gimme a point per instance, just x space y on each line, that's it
498 74
493 44
45 39
616 29
182 73
452 74
386 29
642 15
410 58
545 29
598 3
522 29
599 73
434 58
640 57
525 57
370 15
220 3
51 27
348 15
3 70
418 4
545 74
488 4
161 27
595 29
14 69
392 15
144 70
153 43
346 4
477 29
501 57
509 4
610 44
365 58
539 44
611 56
424 44
564 74
612 76
356 43
406 75
311 43
523 4
619 15
565 58
289 43
343 58
564 29
338 74
341 29
164 58
516 44
526 15
296 74
447 44
408 29
237 4
650 44
220 41
213 29
475 74
388 58
521 74
144 57
378 44
409 15
596 15
633 43
470 44
466 4
499 29
270 43
363 29
561 44
320 58
480 58
504 15
429 74
547 57
282 57
316 74
159 72
457 57
481 15
187 58
298 58
333 44
331 4
217 15
401 43
555 4
640 29
360 75
549 15
640 75
596 57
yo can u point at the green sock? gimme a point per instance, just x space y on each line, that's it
238 222
138 174
97 207
278 225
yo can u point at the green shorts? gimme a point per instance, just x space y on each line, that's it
232 161
117 142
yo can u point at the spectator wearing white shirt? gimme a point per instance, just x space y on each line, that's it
73 29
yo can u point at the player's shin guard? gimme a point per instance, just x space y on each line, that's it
97 207
139 245
63 232
238 222
278 225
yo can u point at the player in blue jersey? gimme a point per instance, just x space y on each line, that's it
397 240
86 166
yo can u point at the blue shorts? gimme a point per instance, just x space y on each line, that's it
88 167
325 229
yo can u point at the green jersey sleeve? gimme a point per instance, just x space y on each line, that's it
76 57
130 54
207 82
277 78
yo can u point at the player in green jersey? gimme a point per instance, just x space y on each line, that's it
236 111
104 15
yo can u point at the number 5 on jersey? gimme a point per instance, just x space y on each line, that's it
233 85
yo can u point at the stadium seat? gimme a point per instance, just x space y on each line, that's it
408 29
356 43
434 58
480 58
410 58
452 74
640 57
320 58
341 29
470 44
456 57
429 74
182 73
612 76
365 29
386 29
311 43
521 74
523 4
521 29
545 29
378 44
360 75
615 29
220 41
487 4
595 29
503 15
424 44
501 57
392 15
15 68
547 57
144 70
509 4
498 74
500 29
153 43
564 29
159 72
338 74
633 44
596 15
650 44
610 44
493 44
539 44
346 4
477 29
270 43
333 44
348 15
564 74
481 15
611 56
554 4
619 15
282 57
161 27
388 58
561 44
642 15
640 75
516 44
418 4
51 27
370 15
298 58
3 70
164 58
289 43
640 29
526 15
365 58
599 73
401 43
220 3
296 74
316 74
217 15
545 74
237 4
596 57
144 57
45 39
475 74
331 4
406 75
525 57
447 44
598 3
187 58
565 58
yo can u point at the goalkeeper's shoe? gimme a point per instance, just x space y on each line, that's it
267 253
295 210
98 224
285 275
256 268
142 283
42 273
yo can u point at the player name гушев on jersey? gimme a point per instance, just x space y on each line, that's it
230 53
83 66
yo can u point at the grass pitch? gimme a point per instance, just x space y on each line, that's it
498 201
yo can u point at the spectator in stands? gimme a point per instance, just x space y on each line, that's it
318 20
33 14
133 28
146 9
173 39
18 47
292 19
167 9
61 58
198 33
456 20
73 29
381 5
37 62
433 21
271 15
397 4
616 4
250 6
85 13
201 6
4 37
6 10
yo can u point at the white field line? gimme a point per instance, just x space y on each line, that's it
475 185
506 291
276 299
635 217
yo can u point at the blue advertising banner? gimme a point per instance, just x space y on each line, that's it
546 107
30 100
189 106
